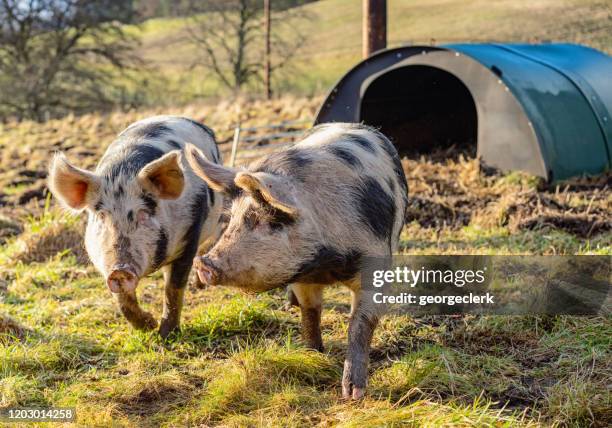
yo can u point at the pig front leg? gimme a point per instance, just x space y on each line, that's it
176 276
310 299
362 323
128 303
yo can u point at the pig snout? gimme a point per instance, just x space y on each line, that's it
122 279
208 273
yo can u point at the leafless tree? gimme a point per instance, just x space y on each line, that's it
60 56
230 39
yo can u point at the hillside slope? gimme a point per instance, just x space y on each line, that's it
334 38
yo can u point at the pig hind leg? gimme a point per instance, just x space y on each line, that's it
362 323
310 299
128 303
291 298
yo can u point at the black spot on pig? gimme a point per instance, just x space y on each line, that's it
346 156
389 148
119 192
297 158
174 144
161 248
399 174
198 212
328 264
211 196
210 132
149 202
362 142
201 126
375 207
128 160
288 163
152 130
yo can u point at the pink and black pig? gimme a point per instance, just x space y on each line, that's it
308 217
145 211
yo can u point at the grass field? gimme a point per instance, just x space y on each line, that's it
239 359
334 39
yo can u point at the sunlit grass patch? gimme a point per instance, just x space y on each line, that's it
581 394
52 233
253 379
245 317
46 353
10 329
139 394
424 413
580 400
437 372
21 390
475 239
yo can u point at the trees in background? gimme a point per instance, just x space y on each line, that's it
166 8
230 39
75 56
59 56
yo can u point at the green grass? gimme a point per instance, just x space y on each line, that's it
334 39
239 359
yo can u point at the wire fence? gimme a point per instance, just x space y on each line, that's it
252 142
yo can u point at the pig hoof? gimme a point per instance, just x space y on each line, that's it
166 330
147 322
352 392
358 393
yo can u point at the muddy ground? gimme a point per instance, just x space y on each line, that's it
448 189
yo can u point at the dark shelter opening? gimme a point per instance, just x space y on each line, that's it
423 110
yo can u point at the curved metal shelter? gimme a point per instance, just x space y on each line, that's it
545 109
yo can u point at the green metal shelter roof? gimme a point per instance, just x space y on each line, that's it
541 108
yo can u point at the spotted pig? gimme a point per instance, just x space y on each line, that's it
308 216
145 211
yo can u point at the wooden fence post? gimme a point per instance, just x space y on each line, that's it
374 26
235 145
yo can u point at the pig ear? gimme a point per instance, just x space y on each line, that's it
272 189
163 177
218 177
74 187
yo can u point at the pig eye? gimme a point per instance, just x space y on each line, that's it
251 221
276 226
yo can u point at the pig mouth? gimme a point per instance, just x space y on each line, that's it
122 279
207 271
210 274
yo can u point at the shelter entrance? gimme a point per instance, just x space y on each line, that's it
422 109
